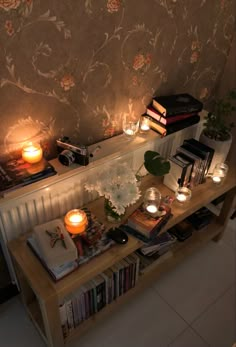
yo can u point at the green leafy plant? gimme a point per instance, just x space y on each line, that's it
155 164
217 127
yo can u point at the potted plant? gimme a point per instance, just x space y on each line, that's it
155 164
217 128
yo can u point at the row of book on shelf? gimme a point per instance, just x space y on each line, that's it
168 114
91 297
189 165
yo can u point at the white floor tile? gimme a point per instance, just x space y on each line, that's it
189 339
145 321
16 329
218 324
198 281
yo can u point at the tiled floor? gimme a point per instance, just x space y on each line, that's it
191 306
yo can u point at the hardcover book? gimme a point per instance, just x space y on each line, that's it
17 173
165 130
152 112
146 224
172 105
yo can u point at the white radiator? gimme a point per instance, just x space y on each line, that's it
36 204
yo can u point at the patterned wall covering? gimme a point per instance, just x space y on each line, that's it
77 67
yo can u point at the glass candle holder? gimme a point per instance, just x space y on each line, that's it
151 201
144 125
130 128
219 173
32 153
76 221
183 194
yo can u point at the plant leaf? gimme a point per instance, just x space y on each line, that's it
155 164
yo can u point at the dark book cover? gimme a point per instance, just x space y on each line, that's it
165 130
171 105
200 153
17 173
203 148
200 218
151 111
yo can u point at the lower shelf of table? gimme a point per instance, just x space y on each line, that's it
180 251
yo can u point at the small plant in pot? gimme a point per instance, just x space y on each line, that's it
217 128
155 164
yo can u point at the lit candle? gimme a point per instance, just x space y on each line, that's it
76 221
129 132
151 208
216 179
32 153
144 125
181 197
183 194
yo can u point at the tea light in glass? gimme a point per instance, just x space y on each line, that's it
32 153
152 199
76 221
144 125
219 172
183 194
130 128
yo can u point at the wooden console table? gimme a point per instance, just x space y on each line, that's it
41 296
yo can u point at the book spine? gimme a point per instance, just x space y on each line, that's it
63 318
69 312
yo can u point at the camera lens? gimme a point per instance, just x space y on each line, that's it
66 157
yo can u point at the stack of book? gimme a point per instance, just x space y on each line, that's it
190 165
168 114
59 253
144 226
17 173
98 292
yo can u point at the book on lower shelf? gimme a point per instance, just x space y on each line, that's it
17 173
99 292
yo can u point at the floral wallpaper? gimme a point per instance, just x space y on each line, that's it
77 68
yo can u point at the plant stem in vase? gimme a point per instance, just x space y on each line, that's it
111 215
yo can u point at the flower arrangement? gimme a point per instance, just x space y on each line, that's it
118 185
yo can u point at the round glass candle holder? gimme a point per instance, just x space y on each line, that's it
144 125
76 221
151 201
32 153
130 128
183 194
219 173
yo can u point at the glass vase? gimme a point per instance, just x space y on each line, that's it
111 215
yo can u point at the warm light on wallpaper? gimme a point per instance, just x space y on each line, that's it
77 68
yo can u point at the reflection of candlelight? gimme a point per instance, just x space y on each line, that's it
151 208
32 153
76 221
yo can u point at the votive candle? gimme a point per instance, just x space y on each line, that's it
183 194
76 221
32 153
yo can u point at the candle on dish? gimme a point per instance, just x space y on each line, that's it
76 221
32 153
144 125
183 194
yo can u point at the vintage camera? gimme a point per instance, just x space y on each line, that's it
70 153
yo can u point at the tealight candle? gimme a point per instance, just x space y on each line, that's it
219 173
32 153
130 128
76 221
152 199
144 125
183 194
